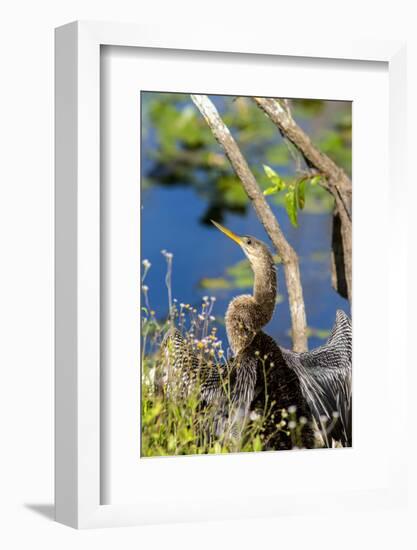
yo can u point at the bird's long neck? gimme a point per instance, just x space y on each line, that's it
265 287
246 315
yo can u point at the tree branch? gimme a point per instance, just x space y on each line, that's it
335 181
265 215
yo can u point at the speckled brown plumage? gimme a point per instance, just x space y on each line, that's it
247 314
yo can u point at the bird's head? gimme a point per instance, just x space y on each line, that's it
255 250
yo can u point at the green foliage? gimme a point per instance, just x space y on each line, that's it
180 149
177 127
315 180
337 142
295 197
301 193
174 423
291 205
278 184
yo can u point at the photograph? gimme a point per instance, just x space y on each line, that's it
246 274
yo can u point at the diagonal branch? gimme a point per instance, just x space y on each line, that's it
265 215
335 181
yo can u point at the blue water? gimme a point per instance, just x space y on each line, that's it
170 221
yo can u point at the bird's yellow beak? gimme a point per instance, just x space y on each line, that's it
227 232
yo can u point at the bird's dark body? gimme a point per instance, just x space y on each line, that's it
278 388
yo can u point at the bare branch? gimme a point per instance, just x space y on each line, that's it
335 179
265 215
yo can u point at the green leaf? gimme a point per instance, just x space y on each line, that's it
278 183
271 190
291 206
315 180
257 444
217 448
301 197
172 442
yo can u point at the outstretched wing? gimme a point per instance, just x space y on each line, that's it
192 368
325 375
230 390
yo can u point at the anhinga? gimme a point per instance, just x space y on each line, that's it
264 377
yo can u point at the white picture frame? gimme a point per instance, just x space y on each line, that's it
78 405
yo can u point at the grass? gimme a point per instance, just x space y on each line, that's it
173 421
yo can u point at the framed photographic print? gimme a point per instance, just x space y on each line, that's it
222 250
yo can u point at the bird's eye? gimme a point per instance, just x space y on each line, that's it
248 241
